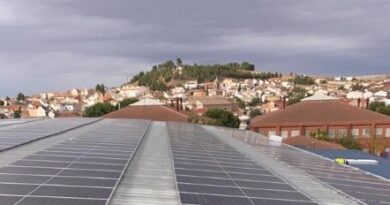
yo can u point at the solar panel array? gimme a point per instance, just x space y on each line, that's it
367 188
84 170
16 136
11 122
211 172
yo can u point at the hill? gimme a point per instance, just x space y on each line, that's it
161 75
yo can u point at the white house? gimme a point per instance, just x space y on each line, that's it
367 94
381 93
355 95
191 85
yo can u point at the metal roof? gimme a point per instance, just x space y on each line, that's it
114 161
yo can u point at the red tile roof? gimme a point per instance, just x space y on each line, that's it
150 112
317 112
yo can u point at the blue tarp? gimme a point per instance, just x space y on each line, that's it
382 169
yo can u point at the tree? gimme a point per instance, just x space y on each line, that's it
341 87
127 102
179 62
348 142
255 101
18 113
254 112
357 86
303 80
1 103
380 107
247 66
296 95
20 97
320 134
101 88
241 104
223 118
99 109
376 145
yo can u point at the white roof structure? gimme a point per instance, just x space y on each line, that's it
147 101
319 96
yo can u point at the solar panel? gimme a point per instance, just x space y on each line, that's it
63 201
208 171
15 136
358 184
85 173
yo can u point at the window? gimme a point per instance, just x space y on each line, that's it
272 132
342 133
387 134
331 133
262 132
366 132
379 132
284 133
307 132
295 133
355 133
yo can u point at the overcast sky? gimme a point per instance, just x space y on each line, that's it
47 45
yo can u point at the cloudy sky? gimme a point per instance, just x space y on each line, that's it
47 45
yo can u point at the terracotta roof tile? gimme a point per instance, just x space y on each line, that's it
329 111
151 112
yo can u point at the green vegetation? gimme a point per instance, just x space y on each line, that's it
18 113
296 95
320 134
20 97
254 112
303 80
357 86
101 88
255 101
1 103
223 118
349 142
127 102
163 73
99 109
346 141
241 104
380 107
341 87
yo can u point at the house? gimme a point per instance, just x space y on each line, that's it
327 114
380 94
355 95
191 85
211 102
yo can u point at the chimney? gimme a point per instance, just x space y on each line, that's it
284 103
177 104
358 102
181 104
367 102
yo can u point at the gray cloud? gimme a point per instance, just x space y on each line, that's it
51 45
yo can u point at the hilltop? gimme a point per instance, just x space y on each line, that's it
163 75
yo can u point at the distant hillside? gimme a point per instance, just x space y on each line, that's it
161 75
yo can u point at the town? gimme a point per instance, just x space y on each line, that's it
239 99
